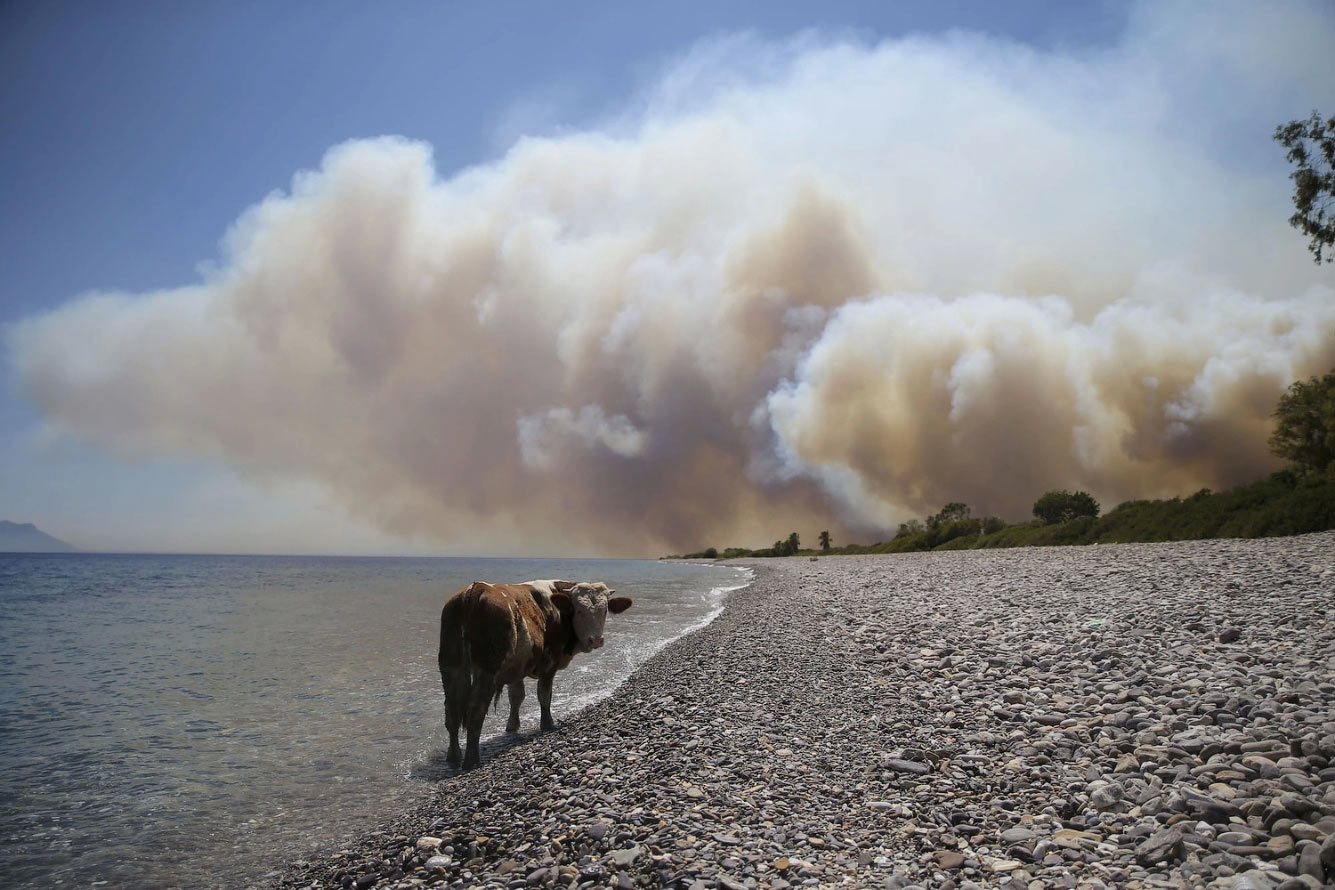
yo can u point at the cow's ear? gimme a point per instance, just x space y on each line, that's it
618 604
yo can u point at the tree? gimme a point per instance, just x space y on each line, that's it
1311 145
825 540
791 546
1305 424
952 512
912 527
1063 506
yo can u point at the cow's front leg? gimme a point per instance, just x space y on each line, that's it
545 700
516 699
479 699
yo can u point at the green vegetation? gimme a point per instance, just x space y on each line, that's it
1287 503
1305 424
1311 148
1294 501
1063 506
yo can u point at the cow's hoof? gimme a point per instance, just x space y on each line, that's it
454 755
548 725
470 764
512 727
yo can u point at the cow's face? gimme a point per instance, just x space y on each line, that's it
592 601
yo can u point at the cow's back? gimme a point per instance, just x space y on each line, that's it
494 628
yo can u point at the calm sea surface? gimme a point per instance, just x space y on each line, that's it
197 721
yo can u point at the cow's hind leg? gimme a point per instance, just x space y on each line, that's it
516 699
456 705
545 700
479 699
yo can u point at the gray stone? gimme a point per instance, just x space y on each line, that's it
1017 835
1305 832
1328 855
1309 862
1209 809
1257 880
948 859
1106 796
1298 804
1235 838
1160 847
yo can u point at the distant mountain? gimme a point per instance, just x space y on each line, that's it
28 538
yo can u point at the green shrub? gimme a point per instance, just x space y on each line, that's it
1063 506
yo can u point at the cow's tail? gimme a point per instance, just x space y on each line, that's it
453 651
455 657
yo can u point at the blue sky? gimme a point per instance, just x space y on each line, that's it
138 134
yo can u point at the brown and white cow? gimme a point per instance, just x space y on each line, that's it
494 635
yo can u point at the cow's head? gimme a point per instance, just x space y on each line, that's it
592 600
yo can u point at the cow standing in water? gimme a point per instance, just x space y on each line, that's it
495 635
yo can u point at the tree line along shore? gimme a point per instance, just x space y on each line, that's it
1297 500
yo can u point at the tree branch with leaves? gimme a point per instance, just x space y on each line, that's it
1311 146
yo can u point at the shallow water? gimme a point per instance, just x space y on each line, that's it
196 721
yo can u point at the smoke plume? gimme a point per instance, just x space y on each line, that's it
821 285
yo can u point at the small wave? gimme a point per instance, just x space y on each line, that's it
720 593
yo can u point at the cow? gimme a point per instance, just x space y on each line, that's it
492 636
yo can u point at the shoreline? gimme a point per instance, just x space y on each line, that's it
1140 715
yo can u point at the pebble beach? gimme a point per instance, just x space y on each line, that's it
1130 716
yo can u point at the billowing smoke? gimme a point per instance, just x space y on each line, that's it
829 286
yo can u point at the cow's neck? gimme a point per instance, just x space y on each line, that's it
569 641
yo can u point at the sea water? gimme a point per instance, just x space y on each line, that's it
198 721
